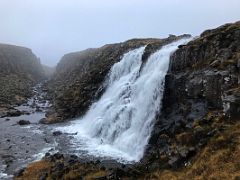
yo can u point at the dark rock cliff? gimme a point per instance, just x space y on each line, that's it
79 76
202 86
20 69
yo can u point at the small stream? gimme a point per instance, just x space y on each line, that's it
20 145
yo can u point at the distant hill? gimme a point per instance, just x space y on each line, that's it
49 71
20 69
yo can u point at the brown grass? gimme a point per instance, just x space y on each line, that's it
78 171
95 175
34 170
220 159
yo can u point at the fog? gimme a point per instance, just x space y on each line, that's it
52 28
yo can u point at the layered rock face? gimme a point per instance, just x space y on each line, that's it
204 75
202 90
20 69
79 77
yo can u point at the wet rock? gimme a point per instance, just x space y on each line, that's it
45 90
47 154
57 156
71 134
8 159
7 119
57 133
51 118
14 113
38 109
73 159
231 103
23 122
46 140
3 114
19 172
43 121
26 112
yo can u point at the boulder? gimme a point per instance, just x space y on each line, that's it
57 133
23 122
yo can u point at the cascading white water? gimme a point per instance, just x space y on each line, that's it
120 123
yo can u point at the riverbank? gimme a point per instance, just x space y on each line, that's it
23 139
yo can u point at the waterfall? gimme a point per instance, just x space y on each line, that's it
119 124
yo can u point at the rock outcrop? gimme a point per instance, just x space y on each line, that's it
202 93
79 76
20 69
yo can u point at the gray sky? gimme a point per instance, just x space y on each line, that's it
52 28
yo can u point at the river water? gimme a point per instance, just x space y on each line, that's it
20 145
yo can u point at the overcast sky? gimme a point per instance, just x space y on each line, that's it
52 28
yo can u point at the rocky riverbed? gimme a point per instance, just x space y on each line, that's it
23 139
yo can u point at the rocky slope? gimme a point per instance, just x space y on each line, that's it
20 69
202 95
79 76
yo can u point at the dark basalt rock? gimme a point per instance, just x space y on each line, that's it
23 122
197 81
9 112
57 133
13 113
203 77
19 172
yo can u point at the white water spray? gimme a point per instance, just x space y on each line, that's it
120 123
